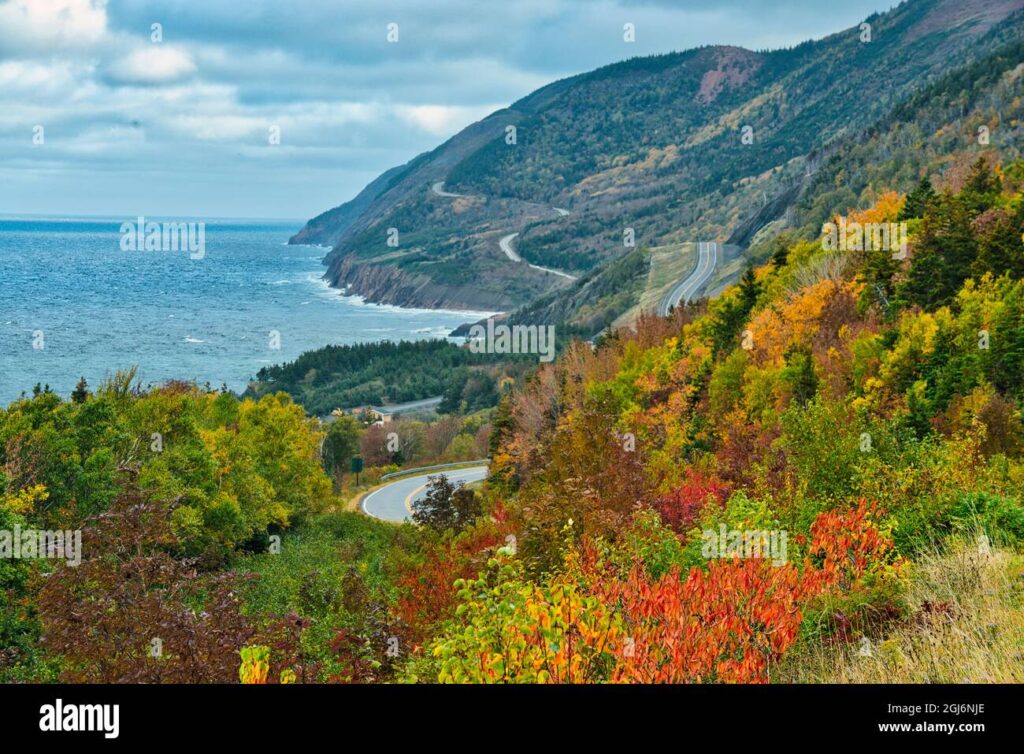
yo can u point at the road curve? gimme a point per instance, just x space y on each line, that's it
393 502
438 188
505 242
685 289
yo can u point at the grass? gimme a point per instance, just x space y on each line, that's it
966 625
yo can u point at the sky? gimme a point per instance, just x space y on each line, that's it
278 109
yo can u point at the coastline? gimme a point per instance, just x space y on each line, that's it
176 318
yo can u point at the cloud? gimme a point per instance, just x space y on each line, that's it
443 120
41 27
153 64
182 125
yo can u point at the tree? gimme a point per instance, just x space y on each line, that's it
799 372
451 401
981 189
780 250
81 392
446 506
340 445
439 435
734 310
1000 249
19 627
373 446
943 256
750 289
918 200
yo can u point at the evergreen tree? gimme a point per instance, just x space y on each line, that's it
918 200
944 255
750 289
1000 248
81 392
981 189
340 444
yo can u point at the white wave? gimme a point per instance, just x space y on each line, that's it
324 289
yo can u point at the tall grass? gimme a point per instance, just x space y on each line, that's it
966 625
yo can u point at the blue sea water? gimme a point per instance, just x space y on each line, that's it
66 285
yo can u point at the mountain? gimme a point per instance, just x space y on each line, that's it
711 144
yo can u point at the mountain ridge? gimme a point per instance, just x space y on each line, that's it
651 143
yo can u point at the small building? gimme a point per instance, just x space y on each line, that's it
379 416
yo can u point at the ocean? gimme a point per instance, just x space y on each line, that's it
74 304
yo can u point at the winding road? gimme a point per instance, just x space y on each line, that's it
438 188
393 502
686 289
505 242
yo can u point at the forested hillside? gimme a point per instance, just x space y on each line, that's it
378 374
709 144
881 434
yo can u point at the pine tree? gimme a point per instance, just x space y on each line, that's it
81 392
981 189
943 256
750 289
918 200
780 250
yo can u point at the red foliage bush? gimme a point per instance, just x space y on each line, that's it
426 588
679 508
731 622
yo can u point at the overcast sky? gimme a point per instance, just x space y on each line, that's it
182 127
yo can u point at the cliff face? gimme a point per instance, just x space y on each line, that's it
702 145
389 284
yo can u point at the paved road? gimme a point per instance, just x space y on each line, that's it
438 188
392 502
400 408
397 408
685 289
505 242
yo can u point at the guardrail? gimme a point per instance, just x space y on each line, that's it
404 472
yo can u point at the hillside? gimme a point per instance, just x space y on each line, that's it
384 373
654 144
873 447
